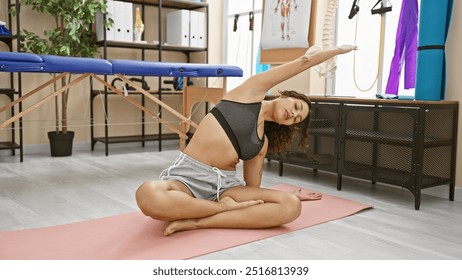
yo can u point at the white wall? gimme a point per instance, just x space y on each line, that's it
453 70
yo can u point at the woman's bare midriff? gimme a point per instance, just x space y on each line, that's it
211 138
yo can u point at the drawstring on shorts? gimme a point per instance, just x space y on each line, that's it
220 175
177 162
203 181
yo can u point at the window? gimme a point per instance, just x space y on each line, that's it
363 65
242 45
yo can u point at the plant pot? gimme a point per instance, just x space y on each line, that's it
61 143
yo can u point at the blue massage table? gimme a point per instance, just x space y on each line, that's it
92 67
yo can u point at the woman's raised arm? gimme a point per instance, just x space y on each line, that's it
254 88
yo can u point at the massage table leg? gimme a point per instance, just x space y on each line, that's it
139 106
185 121
25 96
193 95
43 101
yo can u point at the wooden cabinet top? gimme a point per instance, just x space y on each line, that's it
374 101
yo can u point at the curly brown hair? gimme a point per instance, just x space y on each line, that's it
280 136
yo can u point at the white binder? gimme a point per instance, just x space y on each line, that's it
99 23
178 28
198 30
128 22
119 20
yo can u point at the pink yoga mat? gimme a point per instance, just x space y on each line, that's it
134 236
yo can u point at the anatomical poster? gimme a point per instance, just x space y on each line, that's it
286 24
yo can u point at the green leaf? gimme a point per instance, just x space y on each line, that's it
75 38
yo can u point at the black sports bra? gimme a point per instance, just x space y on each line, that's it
240 122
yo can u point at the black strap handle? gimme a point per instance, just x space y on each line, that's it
431 47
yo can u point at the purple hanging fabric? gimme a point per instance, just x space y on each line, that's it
405 48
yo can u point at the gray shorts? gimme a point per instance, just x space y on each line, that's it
201 179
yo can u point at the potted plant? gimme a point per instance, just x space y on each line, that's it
71 36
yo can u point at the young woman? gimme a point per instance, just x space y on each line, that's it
201 190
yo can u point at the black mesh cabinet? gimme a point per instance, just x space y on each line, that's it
411 144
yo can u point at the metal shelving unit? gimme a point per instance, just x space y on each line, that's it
14 89
160 48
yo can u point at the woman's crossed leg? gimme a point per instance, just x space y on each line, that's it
239 207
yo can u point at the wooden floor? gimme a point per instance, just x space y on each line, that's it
44 191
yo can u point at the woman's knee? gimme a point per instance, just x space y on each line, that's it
144 190
292 207
148 197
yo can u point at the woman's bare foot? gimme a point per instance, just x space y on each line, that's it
190 224
231 204
180 225
304 195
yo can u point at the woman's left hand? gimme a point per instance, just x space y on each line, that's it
347 48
